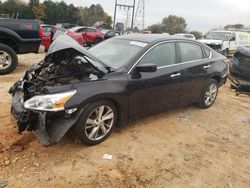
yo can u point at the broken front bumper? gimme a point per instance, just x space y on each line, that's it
49 127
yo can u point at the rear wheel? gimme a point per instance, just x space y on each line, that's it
209 94
97 41
96 123
8 59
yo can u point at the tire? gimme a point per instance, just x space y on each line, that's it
92 132
210 91
8 59
97 41
88 44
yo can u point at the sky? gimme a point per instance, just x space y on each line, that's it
201 15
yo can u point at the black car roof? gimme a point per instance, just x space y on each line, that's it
148 38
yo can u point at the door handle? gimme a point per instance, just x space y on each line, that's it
206 66
175 75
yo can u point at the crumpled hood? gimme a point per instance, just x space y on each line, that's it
63 42
211 41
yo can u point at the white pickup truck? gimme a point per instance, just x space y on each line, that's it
226 42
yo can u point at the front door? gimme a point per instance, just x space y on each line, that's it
153 92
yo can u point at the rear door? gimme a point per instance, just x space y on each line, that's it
196 68
155 91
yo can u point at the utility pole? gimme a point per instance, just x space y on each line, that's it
125 6
143 17
140 14
127 19
115 15
133 16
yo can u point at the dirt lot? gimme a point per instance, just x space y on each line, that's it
184 147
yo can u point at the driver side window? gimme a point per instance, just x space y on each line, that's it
161 55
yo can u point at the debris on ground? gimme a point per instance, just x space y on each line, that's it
240 86
107 156
3 184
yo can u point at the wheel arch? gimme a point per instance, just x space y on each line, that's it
217 77
9 38
121 107
118 109
9 42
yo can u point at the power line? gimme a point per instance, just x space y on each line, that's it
127 6
140 14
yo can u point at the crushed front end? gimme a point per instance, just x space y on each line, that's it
49 126
39 98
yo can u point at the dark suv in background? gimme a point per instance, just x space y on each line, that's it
17 37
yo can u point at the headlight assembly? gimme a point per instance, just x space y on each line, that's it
52 102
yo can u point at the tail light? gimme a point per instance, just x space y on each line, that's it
40 31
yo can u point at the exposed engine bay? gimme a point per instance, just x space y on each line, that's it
60 68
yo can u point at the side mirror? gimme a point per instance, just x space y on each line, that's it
146 68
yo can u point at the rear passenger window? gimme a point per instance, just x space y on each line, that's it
161 55
190 52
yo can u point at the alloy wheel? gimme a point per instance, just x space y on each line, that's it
5 60
99 123
211 94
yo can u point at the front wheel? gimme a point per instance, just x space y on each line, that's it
96 123
8 59
209 94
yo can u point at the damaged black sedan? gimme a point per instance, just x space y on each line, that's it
91 91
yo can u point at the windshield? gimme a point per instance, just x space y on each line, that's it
116 53
218 36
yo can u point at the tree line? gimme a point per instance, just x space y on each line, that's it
55 12
59 12
174 24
